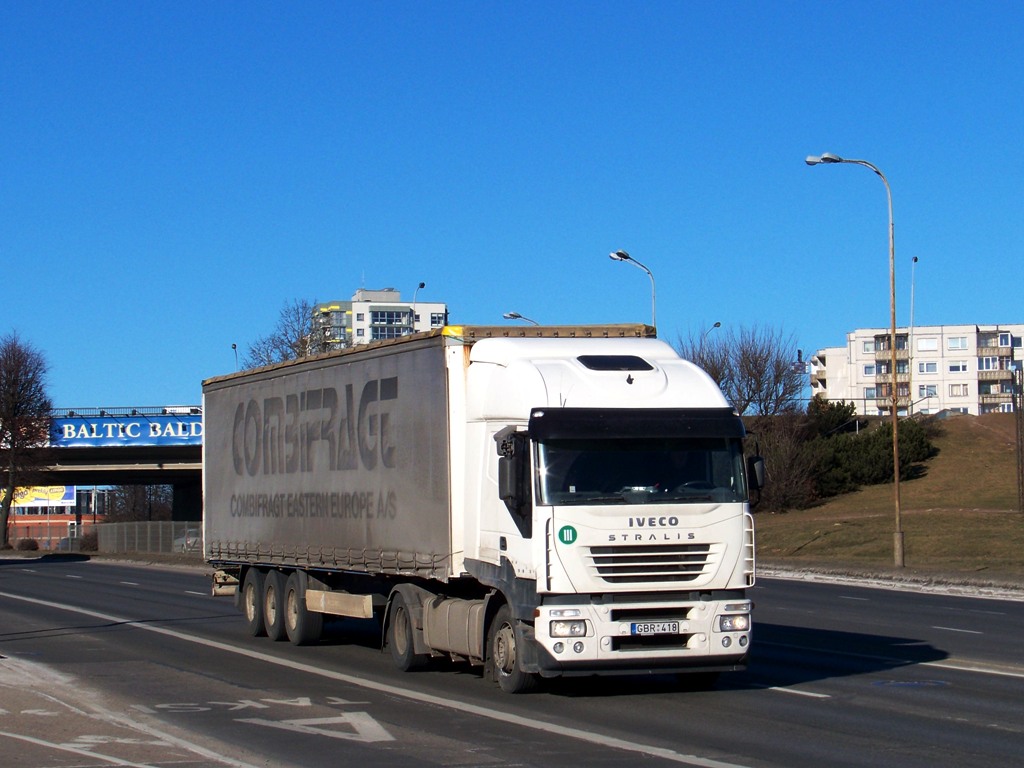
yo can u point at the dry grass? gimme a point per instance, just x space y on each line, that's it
959 518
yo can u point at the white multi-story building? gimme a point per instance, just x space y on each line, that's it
371 316
964 368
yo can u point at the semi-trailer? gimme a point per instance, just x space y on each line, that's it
541 501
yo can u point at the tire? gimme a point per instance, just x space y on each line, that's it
302 626
273 604
252 602
400 637
501 645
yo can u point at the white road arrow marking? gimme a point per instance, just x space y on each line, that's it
364 727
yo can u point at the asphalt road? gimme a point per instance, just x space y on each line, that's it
112 664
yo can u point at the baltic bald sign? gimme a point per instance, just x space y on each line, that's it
100 431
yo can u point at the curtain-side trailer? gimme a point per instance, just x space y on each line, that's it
542 501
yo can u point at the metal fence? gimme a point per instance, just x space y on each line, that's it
155 537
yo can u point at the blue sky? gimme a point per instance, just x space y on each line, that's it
172 173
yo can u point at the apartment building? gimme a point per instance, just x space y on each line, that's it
963 368
372 315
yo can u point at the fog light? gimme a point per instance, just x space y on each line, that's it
568 628
739 622
577 647
726 641
743 641
559 647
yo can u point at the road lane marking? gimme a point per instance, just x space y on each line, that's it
976 666
597 739
92 755
130 583
795 691
965 631
364 728
849 597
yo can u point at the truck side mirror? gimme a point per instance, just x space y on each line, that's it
508 475
755 472
513 478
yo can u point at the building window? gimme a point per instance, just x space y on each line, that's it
869 370
1004 339
387 332
436 319
360 316
389 317
869 346
988 364
958 390
902 366
958 366
360 331
869 393
927 367
956 342
927 390
927 345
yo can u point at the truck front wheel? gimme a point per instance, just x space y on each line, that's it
302 625
400 639
502 645
252 602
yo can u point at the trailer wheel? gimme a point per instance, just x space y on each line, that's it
252 602
273 604
400 640
302 625
501 644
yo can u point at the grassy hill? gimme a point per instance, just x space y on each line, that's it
960 518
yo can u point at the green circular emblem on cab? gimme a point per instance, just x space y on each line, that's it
567 534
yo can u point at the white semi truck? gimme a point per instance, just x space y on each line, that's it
541 501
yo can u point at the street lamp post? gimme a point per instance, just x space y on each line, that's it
910 339
414 317
517 316
826 159
623 256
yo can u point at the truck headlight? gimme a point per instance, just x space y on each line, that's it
739 622
568 629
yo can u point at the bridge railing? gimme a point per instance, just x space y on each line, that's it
161 537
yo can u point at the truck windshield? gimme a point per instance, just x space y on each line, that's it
641 471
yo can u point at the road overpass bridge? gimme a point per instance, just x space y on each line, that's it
129 446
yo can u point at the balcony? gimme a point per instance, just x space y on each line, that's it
1004 375
902 377
1001 397
881 355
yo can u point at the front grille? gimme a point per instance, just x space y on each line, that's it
660 563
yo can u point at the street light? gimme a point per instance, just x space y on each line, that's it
910 337
623 256
234 348
517 316
828 158
414 317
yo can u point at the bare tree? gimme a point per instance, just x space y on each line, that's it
291 338
711 351
756 368
25 418
131 503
